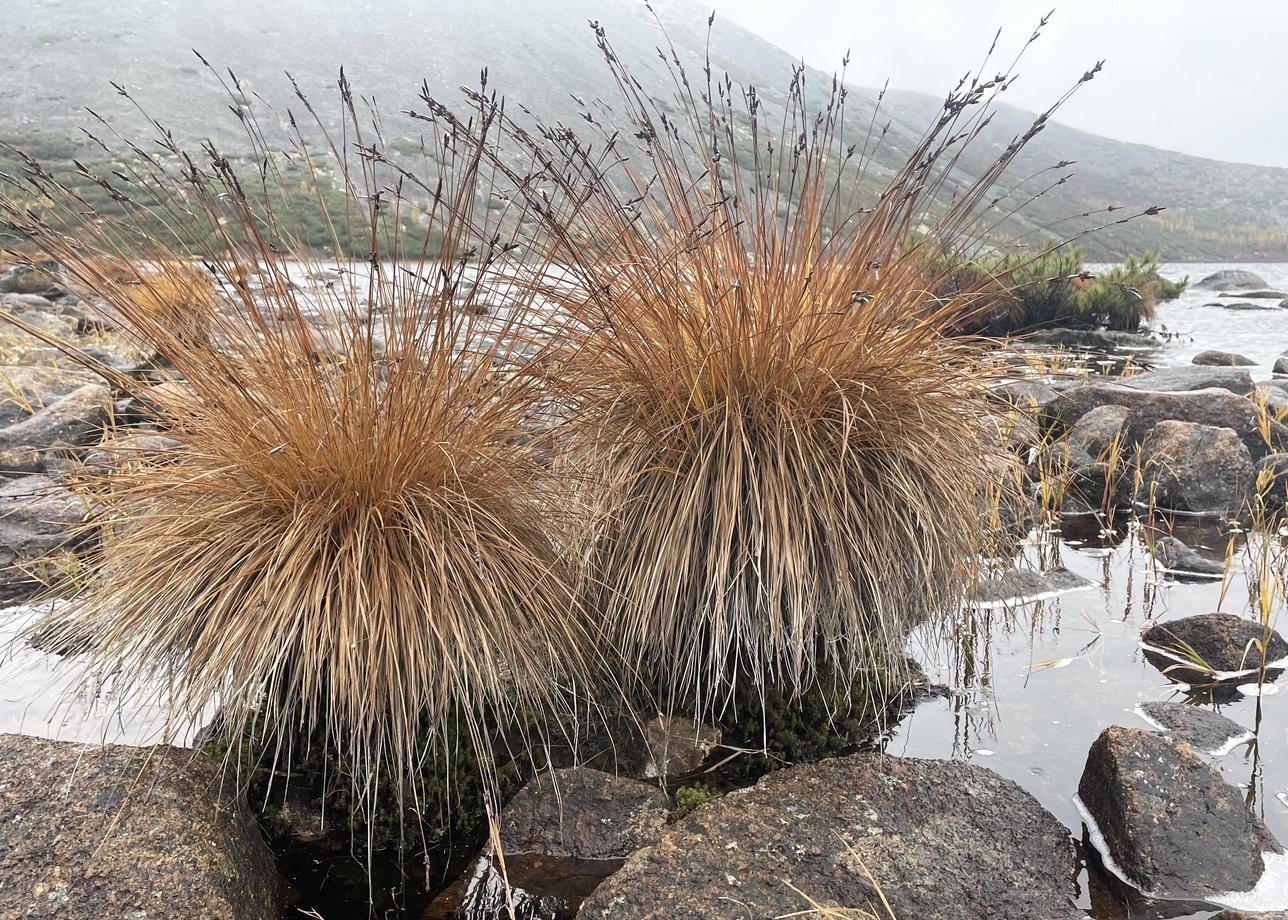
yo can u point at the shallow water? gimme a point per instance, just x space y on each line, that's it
1188 325
1046 678
1027 698
51 697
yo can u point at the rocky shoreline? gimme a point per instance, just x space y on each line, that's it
931 838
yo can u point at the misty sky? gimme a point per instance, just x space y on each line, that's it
1206 77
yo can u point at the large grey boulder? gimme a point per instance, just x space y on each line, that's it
136 446
90 833
1228 646
1024 394
26 389
1183 378
1214 407
1099 430
1221 359
1200 469
76 420
1170 823
40 529
1271 480
942 839
1232 279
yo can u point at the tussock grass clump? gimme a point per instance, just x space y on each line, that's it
353 539
788 466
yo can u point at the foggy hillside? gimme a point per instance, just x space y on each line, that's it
59 56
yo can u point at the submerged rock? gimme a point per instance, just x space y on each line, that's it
1200 469
1221 359
1022 586
1168 821
1175 556
90 832
1242 305
1200 728
1183 378
1232 279
39 524
561 835
1226 644
942 839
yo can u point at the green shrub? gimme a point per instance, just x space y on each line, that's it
1016 292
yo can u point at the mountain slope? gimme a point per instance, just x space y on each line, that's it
59 56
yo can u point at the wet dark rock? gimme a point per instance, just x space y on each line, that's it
1024 585
1200 728
1184 378
561 835
1226 643
1091 488
677 746
1231 279
1096 432
944 839
1214 407
582 813
1114 899
1171 824
1200 469
1281 365
541 888
1175 556
1221 359
89 833
1263 295
75 420
39 532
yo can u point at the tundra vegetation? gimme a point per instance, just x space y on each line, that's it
662 413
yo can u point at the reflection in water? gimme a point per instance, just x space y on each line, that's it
1032 685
